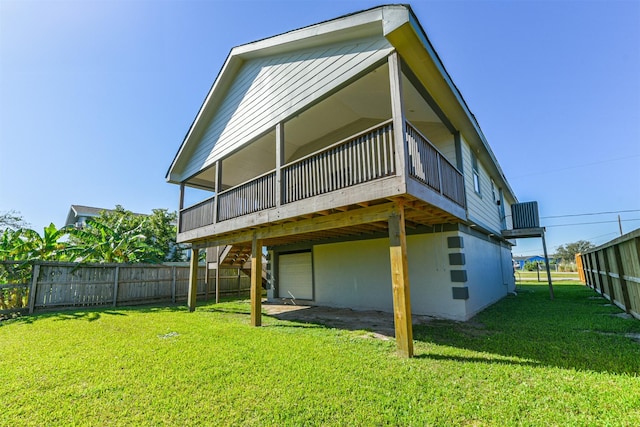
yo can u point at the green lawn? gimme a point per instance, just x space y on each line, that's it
525 361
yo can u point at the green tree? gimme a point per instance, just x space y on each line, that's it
12 220
568 252
158 229
26 244
101 241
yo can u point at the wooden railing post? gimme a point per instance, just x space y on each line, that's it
218 187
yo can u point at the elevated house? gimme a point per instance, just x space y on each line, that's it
347 151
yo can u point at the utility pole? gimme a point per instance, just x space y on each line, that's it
620 224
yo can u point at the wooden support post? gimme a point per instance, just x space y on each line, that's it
217 188
180 205
35 272
279 161
397 113
546 262
115 286
193 280
623 283
218 274
400 283
256 282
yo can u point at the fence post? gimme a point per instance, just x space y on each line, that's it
623 283
115 286
173 284
35 272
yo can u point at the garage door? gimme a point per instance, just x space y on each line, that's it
295 276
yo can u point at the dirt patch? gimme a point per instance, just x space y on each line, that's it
379 323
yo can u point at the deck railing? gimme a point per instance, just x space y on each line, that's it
252 196
198 215
361 158
429 166
364 157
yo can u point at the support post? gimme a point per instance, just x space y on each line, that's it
546 262
279 161
180 204
400 283
397 113
218 274
218 188
256 282
35 272
193 280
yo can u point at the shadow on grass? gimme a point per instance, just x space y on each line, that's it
574 331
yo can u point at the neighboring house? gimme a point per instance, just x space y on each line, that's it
78 215
346 149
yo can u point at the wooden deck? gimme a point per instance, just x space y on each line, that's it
356 178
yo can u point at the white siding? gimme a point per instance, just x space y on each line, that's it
267 90
481 208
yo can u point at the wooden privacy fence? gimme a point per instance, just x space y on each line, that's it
60 285
613 270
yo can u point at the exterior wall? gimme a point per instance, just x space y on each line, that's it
286 83
357 274
482 208
489 271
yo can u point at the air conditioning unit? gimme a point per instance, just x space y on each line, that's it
525 215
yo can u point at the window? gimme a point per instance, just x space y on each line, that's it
476 174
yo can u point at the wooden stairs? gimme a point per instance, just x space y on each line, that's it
234 256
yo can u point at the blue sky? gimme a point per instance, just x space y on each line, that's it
96 97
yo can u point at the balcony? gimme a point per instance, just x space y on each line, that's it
355 165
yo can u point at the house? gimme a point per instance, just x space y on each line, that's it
78 215
347 151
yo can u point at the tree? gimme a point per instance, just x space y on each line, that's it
144 238
568 252
12 220
26 244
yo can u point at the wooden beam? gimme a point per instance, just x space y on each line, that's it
400 283
279 161
342 219
193 279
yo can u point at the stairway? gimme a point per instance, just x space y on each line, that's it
234 256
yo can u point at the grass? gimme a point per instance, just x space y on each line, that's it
524 361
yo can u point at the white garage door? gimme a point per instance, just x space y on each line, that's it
295 276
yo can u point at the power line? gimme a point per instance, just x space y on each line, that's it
576 166
589 214
590 223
